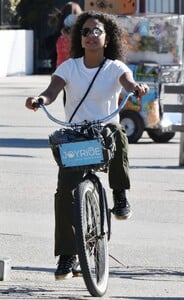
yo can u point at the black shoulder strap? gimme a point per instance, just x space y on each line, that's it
87 90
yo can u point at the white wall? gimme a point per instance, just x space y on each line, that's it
16 52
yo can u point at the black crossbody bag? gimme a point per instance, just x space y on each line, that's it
101 65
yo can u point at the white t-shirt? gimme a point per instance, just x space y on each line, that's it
102 98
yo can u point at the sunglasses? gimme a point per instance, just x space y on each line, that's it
95 31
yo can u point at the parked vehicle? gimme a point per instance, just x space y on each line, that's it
156 57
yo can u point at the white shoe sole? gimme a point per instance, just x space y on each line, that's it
123 217
64 276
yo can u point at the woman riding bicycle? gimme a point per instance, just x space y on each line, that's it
96 39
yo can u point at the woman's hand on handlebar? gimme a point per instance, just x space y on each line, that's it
141 89
34 102
129 84
30 101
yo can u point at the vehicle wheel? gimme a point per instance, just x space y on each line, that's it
158 136
133 124
92 246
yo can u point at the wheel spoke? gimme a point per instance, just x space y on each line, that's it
92 246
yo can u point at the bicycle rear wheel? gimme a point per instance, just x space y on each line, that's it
91 244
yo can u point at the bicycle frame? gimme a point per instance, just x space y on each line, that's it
91 123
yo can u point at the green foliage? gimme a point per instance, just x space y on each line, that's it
14 4
7 13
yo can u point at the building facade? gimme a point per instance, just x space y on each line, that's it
161 6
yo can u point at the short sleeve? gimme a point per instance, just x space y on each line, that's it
64 69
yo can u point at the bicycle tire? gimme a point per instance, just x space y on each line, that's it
91 245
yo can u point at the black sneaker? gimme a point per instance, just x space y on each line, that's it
65 265
121 208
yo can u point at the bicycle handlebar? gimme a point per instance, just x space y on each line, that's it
70 124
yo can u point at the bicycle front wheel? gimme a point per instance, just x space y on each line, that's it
92 245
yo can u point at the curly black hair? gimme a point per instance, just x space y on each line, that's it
116 47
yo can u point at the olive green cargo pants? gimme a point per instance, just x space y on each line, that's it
67 180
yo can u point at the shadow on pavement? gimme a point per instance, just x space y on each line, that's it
157 167
33 269
128 273
144 274
152 298
23 143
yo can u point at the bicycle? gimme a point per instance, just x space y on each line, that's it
88 146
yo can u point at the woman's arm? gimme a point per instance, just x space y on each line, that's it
130 84
50 94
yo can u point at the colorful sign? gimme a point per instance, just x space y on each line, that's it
81 153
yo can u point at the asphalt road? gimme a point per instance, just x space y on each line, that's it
149 245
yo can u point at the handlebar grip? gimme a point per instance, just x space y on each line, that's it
134 100
136 93
38 104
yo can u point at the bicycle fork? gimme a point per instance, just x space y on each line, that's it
105 213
